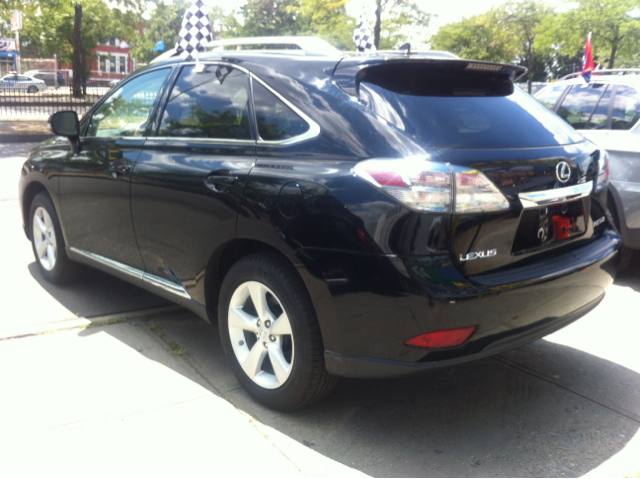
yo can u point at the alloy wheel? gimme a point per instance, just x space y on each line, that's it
261 335
44 239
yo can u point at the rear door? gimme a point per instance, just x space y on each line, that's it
189 180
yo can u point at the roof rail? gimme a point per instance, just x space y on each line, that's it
404 53
613 71
310 46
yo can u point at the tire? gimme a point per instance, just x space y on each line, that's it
48 243
286 332
32 89
626 254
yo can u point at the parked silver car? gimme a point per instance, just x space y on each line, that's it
26 83
607 112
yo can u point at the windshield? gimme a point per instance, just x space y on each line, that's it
456 110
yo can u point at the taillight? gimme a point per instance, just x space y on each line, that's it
426 185
441 339
603 171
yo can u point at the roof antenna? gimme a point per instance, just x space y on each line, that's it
406 48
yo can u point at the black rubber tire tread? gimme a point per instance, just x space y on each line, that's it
626 254
309 380
65 270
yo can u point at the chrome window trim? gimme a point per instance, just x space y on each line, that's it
135 273
313 131
199 139
114 138
535 199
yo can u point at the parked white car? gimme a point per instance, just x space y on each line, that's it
607 111
26 83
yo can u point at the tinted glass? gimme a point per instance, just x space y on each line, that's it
549 96
210 104
579 103
126 111
599 118
276 121
626 108
454 120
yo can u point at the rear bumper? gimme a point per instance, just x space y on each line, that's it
362 367
376 303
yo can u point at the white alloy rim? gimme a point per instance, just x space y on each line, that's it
44 239
261 335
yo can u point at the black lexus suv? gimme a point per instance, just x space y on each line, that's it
336 215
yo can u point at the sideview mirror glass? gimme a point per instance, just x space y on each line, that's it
65 123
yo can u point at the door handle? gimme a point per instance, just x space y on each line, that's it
121 167
218 183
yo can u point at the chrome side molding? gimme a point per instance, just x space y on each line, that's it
135 273
535 199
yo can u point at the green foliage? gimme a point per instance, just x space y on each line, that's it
164 24
48 26
401 19
614 23
326 19
480 37
263 18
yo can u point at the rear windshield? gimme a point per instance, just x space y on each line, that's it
461 109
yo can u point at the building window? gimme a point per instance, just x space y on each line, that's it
103 64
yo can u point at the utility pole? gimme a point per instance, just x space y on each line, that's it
18 69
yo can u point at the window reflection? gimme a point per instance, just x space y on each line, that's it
208 104
276 121
626 108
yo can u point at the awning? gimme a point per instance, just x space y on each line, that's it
11 55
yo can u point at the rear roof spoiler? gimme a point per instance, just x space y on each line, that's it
346 72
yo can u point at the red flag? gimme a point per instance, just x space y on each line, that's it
587 62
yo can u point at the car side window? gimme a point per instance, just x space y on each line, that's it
213 103
549 96
276 121
126 111
626 108
600 115
580 102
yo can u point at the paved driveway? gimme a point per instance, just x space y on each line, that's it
566 405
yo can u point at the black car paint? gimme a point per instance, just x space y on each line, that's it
377 272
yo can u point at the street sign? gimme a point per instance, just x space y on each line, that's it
16 21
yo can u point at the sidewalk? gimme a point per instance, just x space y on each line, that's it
114 401
25 129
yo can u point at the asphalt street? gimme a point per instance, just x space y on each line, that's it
151 393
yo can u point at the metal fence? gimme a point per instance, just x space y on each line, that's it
19 102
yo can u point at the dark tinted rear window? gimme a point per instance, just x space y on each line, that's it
462 109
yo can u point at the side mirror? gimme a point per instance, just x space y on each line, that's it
65 123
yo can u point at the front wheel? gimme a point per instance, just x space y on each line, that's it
32 89
48 243
270 333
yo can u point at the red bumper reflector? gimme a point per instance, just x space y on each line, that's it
441 339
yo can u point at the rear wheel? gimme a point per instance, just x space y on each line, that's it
48 243
270 333
625 253
32 89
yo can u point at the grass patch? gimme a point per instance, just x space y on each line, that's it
174 348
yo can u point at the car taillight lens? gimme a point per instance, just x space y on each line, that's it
603 171
426 185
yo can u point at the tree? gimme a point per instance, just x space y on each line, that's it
400 14
480 37
523 19
326 19
164 24
269 18
49 27
614 23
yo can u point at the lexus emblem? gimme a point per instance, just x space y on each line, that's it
563 171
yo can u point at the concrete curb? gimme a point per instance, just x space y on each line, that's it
82 323
25 138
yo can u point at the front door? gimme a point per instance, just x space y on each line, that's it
95 184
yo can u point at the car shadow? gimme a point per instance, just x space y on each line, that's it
98 294
545 409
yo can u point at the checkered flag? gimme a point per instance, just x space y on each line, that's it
362 36
195 32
